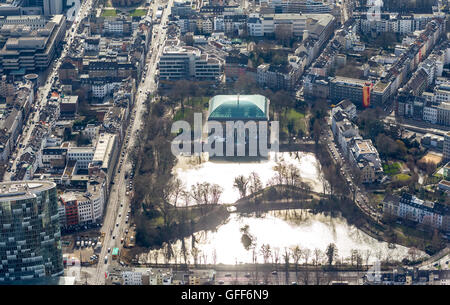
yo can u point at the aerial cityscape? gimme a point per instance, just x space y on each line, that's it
223 142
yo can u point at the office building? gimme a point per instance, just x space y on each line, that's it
30 239
184 62
28 50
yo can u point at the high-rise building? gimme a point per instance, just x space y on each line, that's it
30 236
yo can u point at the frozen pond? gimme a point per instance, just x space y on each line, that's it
281 229
224 172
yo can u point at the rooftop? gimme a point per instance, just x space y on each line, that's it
19 190
235 107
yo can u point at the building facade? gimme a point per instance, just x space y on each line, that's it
30 239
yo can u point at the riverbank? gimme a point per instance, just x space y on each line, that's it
272 198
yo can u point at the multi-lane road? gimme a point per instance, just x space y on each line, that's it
114 224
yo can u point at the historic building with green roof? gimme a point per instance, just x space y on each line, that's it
239 107
251 110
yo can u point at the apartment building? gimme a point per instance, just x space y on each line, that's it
393 22
361 153
365 157
425 212
343 130
80 208
347 88
347 107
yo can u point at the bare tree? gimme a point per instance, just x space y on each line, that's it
155 256
286 258
317 259
353 254
255 184
367 255
379 255
306 254
276 255
184 250
214 257
195 254
266 252
240 183
296 255
413 253
281 172
359 259
293 176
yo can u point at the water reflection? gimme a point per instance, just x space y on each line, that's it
280 229
224 172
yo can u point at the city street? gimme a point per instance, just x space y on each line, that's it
338 158
114 232
43 91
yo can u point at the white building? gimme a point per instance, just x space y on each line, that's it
103 88
184 62
33 21
83 156
430 114
90 204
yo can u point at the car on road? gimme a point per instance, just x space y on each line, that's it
228 275
117 224
114 237
106 259
109 250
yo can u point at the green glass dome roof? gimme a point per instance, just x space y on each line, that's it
238 107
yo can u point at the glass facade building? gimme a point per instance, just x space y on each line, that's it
30 236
